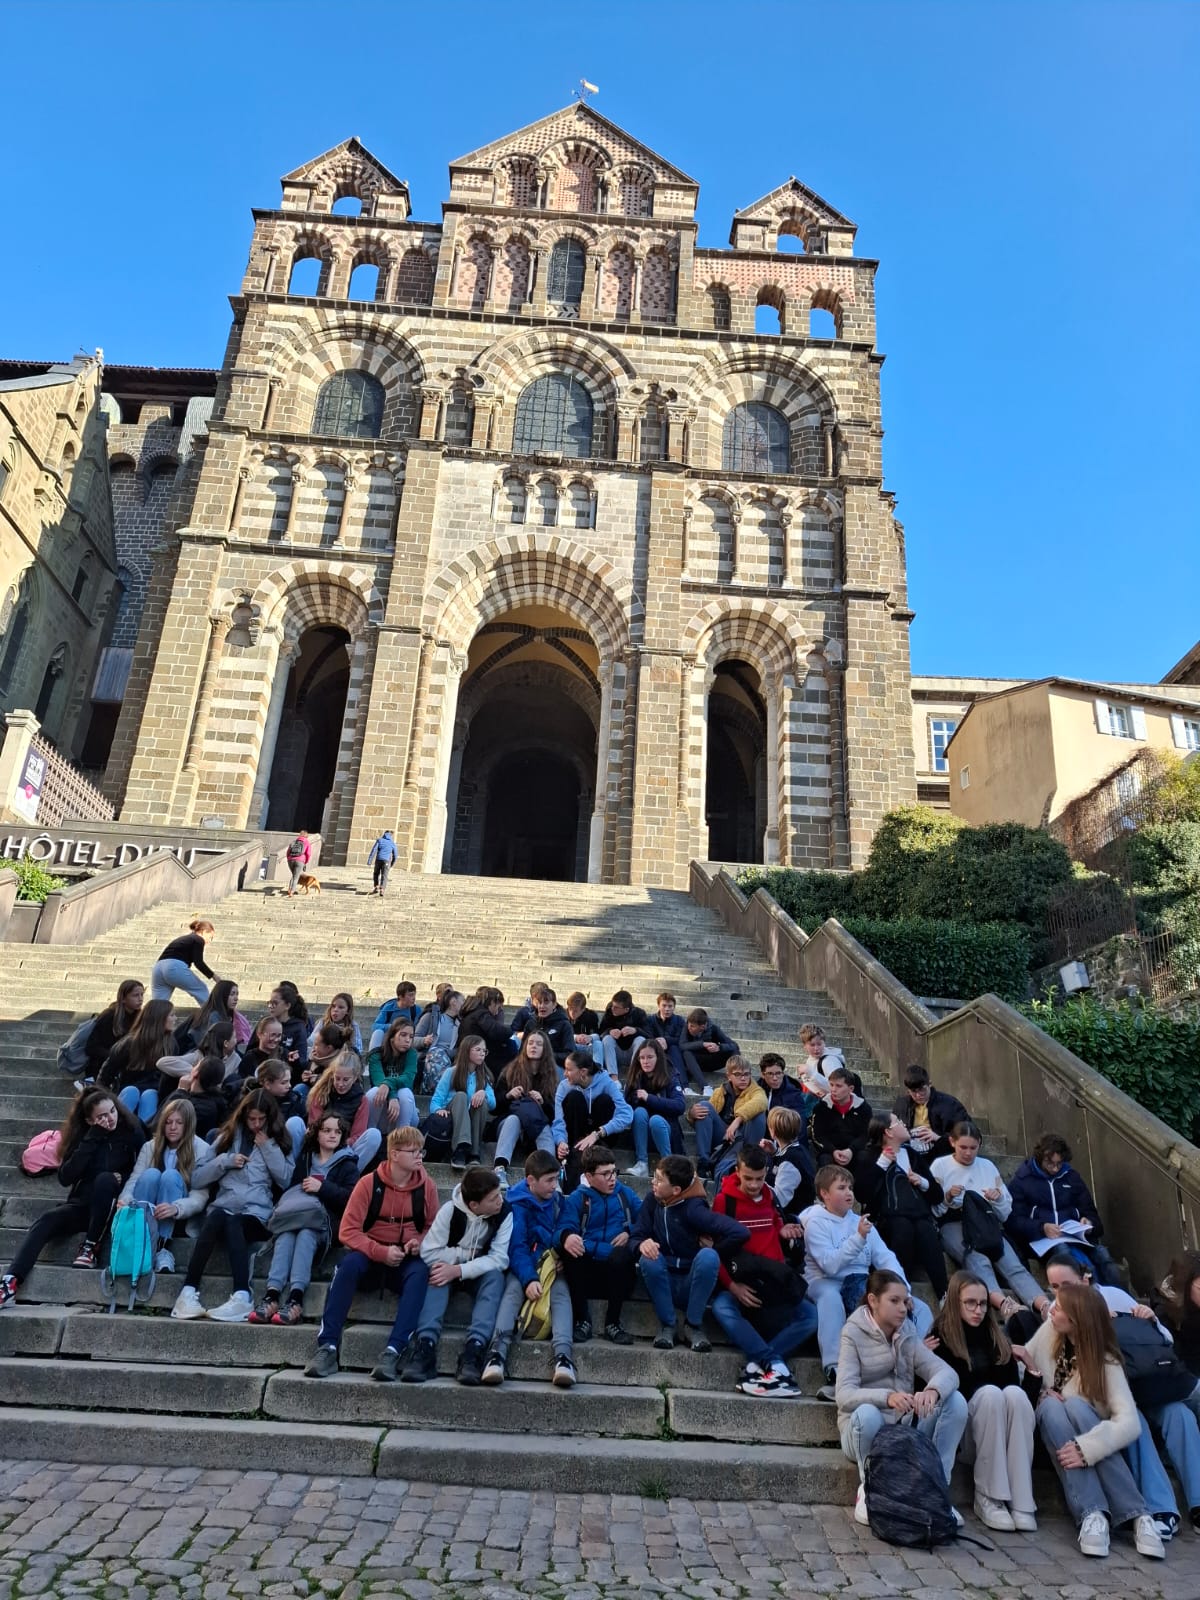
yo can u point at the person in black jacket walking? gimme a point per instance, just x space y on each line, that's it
100 1143
928 1113
173 969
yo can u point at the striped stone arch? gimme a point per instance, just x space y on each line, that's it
760 631
727 380
313 594
365 342
513 362
531 569
530 674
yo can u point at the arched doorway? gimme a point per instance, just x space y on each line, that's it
522 777
310 731
736 776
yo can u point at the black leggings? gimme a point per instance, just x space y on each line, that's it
88 1216
237 1231
917 1243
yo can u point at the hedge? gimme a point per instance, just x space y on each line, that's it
952 960
1152 1057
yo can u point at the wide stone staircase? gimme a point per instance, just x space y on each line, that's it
80 1384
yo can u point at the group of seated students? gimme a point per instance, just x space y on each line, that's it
806 1217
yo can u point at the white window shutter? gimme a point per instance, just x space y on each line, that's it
1137 719
1178 732
1103 725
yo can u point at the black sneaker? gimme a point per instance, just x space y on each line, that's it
828 1390
461 1159
324 1364
564 1373
8 1290
696 1337
667 1339
387 1368
421 1363
469 1371
582 1331
616 1334
86 1256
1194 1513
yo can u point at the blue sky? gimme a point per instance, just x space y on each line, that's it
1026 174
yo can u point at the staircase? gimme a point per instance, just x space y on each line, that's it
143 1389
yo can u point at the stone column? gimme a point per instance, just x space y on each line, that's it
626 422
431 411
189 778
439 810
635 308
461 730
776 761
259 799
339 533
297 469
21 726
607 794
540 283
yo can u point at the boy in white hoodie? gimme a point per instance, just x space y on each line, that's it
841 1248
468 1244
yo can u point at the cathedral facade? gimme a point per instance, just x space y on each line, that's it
511 534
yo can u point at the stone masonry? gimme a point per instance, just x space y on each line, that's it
512 527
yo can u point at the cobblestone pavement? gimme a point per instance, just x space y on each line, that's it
129 1533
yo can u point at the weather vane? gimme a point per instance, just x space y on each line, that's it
586 90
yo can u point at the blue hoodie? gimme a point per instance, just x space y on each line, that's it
677 1229
601 1083
608 1215
535 1228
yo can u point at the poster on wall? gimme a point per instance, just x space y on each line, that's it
29 786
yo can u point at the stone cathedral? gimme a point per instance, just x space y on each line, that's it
511 534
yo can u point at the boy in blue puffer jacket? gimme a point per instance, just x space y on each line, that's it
537 1209
593 1245
676 1269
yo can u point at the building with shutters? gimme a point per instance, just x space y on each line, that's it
518 533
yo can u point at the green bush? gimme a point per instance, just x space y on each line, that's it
907 846
1152 1057
1165 857
34 882
945 959
807 897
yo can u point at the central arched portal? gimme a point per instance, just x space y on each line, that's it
522 779
736 779
310 731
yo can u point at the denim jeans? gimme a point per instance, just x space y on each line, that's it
1008 1269
293 1257
710 1136
647 1127
691 1289
167 976
409 1280
618 1056
945 1425
489 1290
510 1306
1107 1486
160 1189
142 1102
1144 1461
741 1332
1181 1439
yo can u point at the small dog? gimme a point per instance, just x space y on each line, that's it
309 883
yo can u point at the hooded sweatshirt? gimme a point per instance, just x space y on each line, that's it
601 1083
394 1224
535 1225
247 1190
677 1229
834 1248
472 1253
608 1216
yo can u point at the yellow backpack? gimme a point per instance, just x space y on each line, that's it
533 1321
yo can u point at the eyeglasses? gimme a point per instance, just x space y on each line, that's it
973 1305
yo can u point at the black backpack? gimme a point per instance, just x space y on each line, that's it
907 1499
981 1226
378 1188
1156 1374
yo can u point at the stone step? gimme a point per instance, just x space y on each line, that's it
208 1391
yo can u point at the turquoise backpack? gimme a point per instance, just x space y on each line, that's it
130 1254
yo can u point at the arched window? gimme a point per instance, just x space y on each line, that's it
547 493
347 205
554 417
568 267
364 282
84 573
459 421
349 406
511 507
414 280
306 276
756 439
580 497
720 308
18 627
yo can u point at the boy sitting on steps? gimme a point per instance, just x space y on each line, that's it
736 1115
536 1208
468 1244
593 1245
676 1268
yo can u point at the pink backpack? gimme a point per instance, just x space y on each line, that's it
41 1153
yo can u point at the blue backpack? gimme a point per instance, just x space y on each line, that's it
130 1254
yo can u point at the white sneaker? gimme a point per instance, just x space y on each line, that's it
236 1309
639 1169
1093 1534
1024 1521
958 1517
187 1306
1147 1539
691 1094
994 1514
501 1172
860 1507
164 1261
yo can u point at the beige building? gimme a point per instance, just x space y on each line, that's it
511 533
1187 669
59 586
939 704
1024 754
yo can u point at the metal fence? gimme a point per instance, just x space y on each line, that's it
66 792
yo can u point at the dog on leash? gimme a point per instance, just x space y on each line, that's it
309 883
